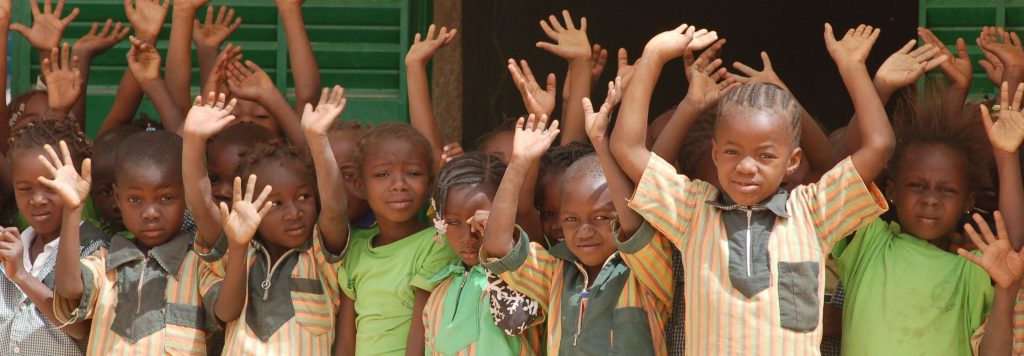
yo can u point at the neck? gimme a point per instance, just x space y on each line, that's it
275 251
391 231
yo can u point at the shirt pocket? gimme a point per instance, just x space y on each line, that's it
185 332
798 295
631 332
313 310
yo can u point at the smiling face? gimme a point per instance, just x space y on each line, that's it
395 179
221 163
930 190
40 205
549 203
293 211
152 203
464 202
587 213
344 145
753 151
250 111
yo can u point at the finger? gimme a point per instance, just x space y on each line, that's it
66 153
35 7
548 30
264 210
520 124
250 188
48 165
623 57
986 232
65 53
55 58
222 14
568 20
52 155
907 48
557 26
224 212
528 73
262 198
986 65
550 87
87 170
961 49
47 7
1017 97
71 16
1000 226
19 28
236 190
430 33
553 129
1004 95
935 62
969 256
745 69
974 236
1015 40
588 108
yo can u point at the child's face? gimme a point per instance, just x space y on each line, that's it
292 216
250 111
930 190
343 144
499 145
550 204
152 203
35 108
587 213
753 151
395 179
221 162
103 190
463 204
41 206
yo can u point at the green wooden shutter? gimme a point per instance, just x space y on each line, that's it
360 45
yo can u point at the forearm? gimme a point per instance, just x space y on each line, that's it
126 103
815 146
953 99
5 23
198 190
179 57
998 337
579 82
621 189
207 57
1013 75
415 342
42 297
345 337
277 106
333 200
233 289
84 63
629 136
670 141
875 148
1011 196
421 113
498 236
304 68
527 215
68 270
170 114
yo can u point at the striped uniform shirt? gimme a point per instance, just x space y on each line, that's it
140 303
290 305
785 317
623 312
1018 328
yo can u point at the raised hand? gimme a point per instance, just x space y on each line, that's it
99 40
538 101
572 42
143 61
63 79
907 64
712 52
709 83
853 47
597 122
47 25
217 79
424 48
450 151
671 44
598 60
147 17
11 253
478 222
248 81
245 214
1000 46
72 188
752 76
212 32
1007 133
332 103
624 70
207 118
998 258
533 137
957 69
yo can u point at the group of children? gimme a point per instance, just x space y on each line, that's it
241 223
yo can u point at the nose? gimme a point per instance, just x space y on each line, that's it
398 183
222 192
150 213
291 212
746 165
930 197
586 230
38 199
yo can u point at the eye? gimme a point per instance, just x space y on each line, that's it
262 117
214 179
167 198
106 192
381 174
767 155
413 173
915 186
275 203
546 214
452 222
134 199
948 190
731 152
303 197
348 175
570 219
602 217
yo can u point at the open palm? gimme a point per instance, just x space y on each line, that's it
998 258
248 81
47 25
210 116
906 65
597 122
318 121
211 33
147 17
533 137
245 214
855 45
1007 133
538 101
72 188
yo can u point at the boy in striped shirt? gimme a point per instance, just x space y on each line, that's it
752 250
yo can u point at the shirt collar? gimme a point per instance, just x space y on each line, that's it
168 256
776 203
27 237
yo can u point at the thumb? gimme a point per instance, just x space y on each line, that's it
19 28
588 107
224 212
550 47
830 38
87 170
623 57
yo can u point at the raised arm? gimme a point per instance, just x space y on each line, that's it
304 68
250 82
73 190
179 51
957 70
144 62
538 101
572 45
1005 265
532 138
208 36
333 221
878 140
5 21
240 224
64 81
47 26
1006 136
147 18
619 186
421 113
205 119
90 46
1006 49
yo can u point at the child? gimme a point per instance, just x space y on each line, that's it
456 317
26 296
549 186
344 137
104 155
395 174
746 250
275 291
142 293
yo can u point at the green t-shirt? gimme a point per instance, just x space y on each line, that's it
904 296
381 281
464 321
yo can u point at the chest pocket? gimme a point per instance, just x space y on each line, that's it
185 328
631 322
312 306
798 295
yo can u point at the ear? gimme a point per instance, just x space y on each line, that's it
794 160
117 195
890 189
714 152
969 200
360 189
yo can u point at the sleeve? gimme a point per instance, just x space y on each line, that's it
94 279
435 257
513 312
210 281
1018 328
327 264
649 258
528 269
211 253
668 200
851 254
840 202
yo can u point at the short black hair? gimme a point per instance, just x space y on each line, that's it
108 143
244 134
276 150
149 149
764 97
586 167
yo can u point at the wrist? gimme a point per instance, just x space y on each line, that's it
20 275
521 163
416 63
237 247
849 65
184 12
883 89
1002 156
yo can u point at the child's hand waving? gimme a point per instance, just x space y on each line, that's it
998 258
538 101
11 251
212 32
99 40
47 25
907 64
597 122
572 41
671 44
533 137
147 17
317 122
63 79
957 69
1007 132
248 81
242 220
143 61
752 76
72 188
424 48
709 83
207 118
854 47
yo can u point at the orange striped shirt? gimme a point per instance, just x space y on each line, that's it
719 319
183 314
1018 328
310 331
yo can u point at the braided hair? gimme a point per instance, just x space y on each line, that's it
473 169
763 97
39 133
275 150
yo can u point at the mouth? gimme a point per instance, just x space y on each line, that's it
927 220
41 216
746 187
295 230
151 232
399 204
589 247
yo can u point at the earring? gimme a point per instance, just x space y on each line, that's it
440 226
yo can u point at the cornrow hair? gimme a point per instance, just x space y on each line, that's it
18 104
39 133
470 169
389 132
696 145
924 122
763 97
559 158
275 150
